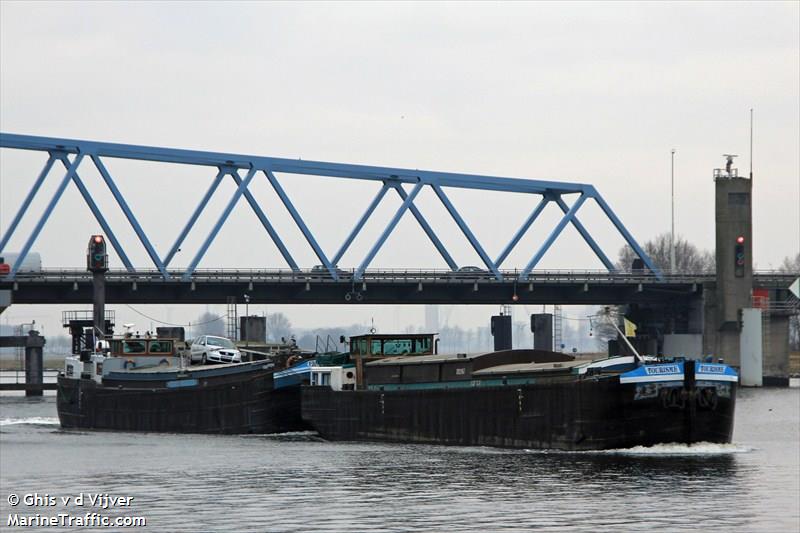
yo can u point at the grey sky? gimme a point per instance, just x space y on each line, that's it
589 92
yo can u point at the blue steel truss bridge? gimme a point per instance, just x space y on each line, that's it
73 155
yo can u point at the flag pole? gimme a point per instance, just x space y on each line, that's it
636 355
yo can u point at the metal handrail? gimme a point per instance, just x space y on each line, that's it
255 274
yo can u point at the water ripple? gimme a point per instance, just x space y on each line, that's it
297 483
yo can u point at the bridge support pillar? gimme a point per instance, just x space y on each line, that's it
34 363
99 304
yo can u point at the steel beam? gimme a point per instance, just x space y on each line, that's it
553 236
130 216
187 275
586 237
195 215
27 202
293 166
360 224
522 230
300 223
466 231
99 216
228 163
43 219
427 229
626 235
386 232
266 223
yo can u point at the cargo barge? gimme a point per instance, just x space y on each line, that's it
142 384
528 399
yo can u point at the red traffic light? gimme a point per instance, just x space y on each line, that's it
740 239
99 238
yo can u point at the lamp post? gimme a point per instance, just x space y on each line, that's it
247 320
672 233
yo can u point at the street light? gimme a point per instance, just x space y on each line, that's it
246 320
672 234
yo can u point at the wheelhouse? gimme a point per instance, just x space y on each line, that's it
141 346
380 345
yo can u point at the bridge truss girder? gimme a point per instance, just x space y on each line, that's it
72 153
305 290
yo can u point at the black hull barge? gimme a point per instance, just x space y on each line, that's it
227 399
143 384
529 399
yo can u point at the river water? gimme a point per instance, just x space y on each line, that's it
296 482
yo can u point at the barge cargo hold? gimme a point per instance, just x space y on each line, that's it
527 399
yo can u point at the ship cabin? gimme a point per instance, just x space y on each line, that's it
135 346
375 345
134 351
366 348
130 352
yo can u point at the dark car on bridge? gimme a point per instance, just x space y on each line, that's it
322 272
468 272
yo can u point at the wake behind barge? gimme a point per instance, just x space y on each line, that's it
520 399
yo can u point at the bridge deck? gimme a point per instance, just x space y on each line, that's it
379 287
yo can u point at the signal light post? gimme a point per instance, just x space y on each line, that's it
97 263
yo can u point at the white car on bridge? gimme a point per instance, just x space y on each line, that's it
211 349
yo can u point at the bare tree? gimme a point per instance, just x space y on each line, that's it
209 324
688 258
278 327
603 332
792 266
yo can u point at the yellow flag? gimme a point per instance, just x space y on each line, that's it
630 328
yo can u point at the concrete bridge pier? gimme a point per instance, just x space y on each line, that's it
34 363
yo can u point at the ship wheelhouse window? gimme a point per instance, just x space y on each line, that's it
359 347
397 346
376 348
320 378
134 346
161 346
392 346
422 345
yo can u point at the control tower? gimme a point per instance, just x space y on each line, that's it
734 284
